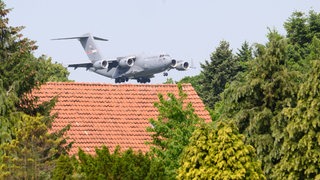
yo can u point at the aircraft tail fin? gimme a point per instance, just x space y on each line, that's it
89 46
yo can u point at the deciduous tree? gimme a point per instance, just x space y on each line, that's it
172 129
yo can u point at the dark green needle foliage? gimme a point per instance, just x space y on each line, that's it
220 70
105 165
27 148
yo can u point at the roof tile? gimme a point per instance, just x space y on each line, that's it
110 114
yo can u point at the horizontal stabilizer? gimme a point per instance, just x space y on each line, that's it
82 37
89 46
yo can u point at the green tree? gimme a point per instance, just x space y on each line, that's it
105 165
219 154
169 81
194 81
244 54
27 149
172 129
221 70
255 100
20 71
300 150
297 28
65 168
301 29
29 155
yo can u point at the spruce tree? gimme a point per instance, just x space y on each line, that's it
20 70
244 54
220 70
27 149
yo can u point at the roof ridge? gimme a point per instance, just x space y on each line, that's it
110 84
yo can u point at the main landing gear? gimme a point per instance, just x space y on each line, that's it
143 80
121 79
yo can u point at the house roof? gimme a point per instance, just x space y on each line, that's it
110 114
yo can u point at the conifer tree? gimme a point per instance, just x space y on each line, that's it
105 165
300 150
220 70
31 153
20 70
301 29
219 154
255 101
244 54
194 81
27 149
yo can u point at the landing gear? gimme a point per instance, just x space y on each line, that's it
121 79
143 80
165 74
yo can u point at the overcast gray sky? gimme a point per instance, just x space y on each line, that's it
185 29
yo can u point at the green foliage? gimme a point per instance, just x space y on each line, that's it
219 154
169 81
255 100
31 153
194 81
300 150
301 30
221 70
244 55
104 165
172 129
20 71
27 149
65 167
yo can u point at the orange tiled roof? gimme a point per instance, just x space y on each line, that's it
110 114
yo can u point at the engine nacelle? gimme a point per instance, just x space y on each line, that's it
103 64
182 66
173 63
127 61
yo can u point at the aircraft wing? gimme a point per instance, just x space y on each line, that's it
81 65
112 64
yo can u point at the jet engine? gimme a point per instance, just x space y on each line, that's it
182 66
173 63
103 64
127 61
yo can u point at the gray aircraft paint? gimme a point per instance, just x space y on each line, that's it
122 69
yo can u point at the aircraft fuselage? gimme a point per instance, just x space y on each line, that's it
141 68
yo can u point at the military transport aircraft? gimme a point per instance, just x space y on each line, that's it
128 67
